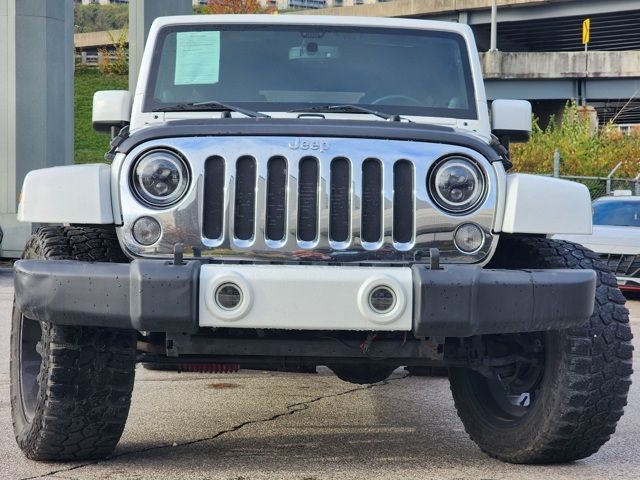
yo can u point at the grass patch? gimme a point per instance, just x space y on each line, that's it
91 146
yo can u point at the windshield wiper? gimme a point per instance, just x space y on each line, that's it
210 106
349 109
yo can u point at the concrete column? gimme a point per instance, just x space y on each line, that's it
36 100
142 13
7 124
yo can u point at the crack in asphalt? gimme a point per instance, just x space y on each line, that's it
291 409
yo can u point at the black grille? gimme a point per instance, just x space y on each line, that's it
213 208
340 208
371 200
270 193
244 212
403 201
308 199
276 198
623 265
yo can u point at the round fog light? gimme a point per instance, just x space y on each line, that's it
468 238
228 296
382 299
146 230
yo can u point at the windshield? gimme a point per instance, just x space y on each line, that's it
623 213
282 68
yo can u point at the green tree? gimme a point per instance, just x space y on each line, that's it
115 61
97 18
237 6
581 151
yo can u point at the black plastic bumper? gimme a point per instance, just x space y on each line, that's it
146 295
460 302
152 295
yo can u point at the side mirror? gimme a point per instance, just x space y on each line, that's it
511 120
111 110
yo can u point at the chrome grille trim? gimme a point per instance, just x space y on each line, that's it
431 227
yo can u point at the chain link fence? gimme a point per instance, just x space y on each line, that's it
600 186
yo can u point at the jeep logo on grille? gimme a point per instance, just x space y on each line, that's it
315 145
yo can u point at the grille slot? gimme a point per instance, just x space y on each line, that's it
403 201
371 200
308 199
213 202
340 206
245 198
276 198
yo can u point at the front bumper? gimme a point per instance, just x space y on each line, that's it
158 296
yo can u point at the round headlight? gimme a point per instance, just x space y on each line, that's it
456 184
160 178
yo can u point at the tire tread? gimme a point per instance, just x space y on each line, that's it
599 367
87 373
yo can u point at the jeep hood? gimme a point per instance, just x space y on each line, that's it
310 128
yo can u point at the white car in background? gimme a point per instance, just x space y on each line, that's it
616 236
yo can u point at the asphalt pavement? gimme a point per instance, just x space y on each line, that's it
257 425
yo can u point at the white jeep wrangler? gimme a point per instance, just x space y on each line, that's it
300 191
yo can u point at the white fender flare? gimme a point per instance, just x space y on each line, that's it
69 194
545 205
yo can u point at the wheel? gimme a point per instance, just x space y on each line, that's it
70 386
362 374
403 99
561 400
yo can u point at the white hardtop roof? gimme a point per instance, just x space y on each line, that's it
334 20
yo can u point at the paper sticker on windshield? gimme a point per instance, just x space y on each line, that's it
197 58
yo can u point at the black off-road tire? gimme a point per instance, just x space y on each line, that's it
362 374
74 401
583 386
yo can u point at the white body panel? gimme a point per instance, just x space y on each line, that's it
140 118
544 205
306 297
69 194
609 239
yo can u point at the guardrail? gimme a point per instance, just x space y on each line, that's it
91 59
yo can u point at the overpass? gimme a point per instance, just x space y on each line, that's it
540 54
95 40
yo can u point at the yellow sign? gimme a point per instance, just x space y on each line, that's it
586 31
